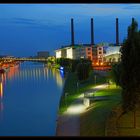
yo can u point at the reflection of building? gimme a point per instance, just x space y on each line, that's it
1 89
58 76
2 80
43 54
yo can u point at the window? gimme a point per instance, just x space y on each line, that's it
89 49
100 52
100 48
89 57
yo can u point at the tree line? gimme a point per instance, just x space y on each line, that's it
82 67
127 73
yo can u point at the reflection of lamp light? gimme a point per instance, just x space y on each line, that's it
62 73
1 90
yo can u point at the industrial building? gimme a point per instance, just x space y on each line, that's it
112 54
99 54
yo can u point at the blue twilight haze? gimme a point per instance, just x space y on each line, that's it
28 28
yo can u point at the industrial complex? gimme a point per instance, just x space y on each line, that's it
102 54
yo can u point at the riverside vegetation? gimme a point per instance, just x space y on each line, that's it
124 91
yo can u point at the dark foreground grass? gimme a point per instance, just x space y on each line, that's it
92 122
73 91
126 126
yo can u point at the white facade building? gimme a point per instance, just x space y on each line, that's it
58 53
112 53
70 53
112 50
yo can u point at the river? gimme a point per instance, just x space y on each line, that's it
29 99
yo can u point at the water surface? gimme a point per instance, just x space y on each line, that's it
29 99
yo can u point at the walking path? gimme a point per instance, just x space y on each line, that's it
68 123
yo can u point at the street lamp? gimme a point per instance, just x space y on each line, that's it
77 86
66 94
95 79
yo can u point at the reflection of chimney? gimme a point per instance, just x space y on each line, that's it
72 32
92 32
117 32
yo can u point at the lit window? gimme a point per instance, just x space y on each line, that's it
97 63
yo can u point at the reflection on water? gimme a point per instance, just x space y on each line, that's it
1 90
34 89
36 73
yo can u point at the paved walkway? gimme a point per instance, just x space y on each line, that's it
68 124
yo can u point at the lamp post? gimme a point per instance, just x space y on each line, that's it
66 94
77 86
95 79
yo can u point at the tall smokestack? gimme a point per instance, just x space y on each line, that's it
92 32
133 20
117 32
72 32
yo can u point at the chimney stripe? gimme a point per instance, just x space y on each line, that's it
72 32
117 32
92 32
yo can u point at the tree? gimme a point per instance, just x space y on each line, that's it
115 73
83 70
130 77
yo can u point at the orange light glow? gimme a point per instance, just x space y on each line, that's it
97 63
1 90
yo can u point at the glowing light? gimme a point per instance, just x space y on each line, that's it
1 90
61 68
76 109
86 102
97 63
101 86
101 63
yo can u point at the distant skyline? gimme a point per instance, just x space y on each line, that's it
28 28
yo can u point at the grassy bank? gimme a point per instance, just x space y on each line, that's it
73 91
92 122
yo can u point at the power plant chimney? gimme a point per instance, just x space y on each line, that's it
133 20
92 32
72 32
117 32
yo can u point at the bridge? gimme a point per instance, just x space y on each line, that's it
23 59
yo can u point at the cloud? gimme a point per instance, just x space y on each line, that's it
24 21
133 7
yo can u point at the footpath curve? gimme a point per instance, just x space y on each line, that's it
68 124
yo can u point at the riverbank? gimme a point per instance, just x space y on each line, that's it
73 88
104 101
68 123
93 121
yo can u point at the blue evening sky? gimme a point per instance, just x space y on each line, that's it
28 28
